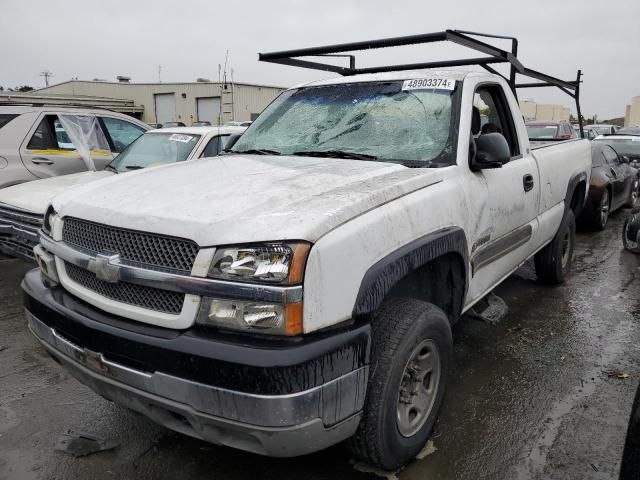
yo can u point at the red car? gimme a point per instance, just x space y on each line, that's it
550 130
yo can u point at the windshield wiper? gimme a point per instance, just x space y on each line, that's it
256 151
336 154
133 167
112 168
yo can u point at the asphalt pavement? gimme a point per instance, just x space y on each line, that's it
529 398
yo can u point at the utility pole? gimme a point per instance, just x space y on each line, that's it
46 74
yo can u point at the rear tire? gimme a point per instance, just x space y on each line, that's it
553 262
409 369
635 191
600 217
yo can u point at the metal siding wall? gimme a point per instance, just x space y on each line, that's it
248 99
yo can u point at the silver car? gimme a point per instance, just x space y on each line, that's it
34 143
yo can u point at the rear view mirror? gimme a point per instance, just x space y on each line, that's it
492 151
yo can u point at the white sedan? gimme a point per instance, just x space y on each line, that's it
22 207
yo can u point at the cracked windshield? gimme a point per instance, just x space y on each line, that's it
368 121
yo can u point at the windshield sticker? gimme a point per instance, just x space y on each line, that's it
179 137
435 83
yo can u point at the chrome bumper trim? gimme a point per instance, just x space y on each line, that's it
331 402
170 281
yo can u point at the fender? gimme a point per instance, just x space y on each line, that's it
383 275
571 188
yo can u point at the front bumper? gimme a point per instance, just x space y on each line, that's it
278 399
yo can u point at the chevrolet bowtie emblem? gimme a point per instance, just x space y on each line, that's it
106 267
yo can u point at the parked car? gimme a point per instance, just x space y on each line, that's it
589 133
604 129
22 207
34 144
155 125
173 124
300 290
614 184
548 130
626 145
201 123
631 239
629 131
239 124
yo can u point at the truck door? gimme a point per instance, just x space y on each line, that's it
506 218
47 150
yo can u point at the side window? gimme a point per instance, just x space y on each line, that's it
611 156
215 146
6 118
50 134
493 106
42 138
63 141
122 133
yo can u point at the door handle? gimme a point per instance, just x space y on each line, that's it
614 173
527 182
42 161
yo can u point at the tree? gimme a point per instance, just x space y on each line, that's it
23 88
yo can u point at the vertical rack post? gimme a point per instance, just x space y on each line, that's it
577 98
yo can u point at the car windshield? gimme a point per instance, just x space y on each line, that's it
383 121
542 131
602 130
624 146
153 149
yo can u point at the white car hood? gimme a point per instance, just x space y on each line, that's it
237 199
36 196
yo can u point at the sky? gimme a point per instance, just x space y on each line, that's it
102 39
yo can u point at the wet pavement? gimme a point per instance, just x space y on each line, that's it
529 397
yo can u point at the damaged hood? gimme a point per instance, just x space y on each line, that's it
237 199
36 196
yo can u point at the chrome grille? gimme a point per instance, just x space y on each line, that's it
18 231
129 293
148 250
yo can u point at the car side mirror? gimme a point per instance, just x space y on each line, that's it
231 141
625 159
492 151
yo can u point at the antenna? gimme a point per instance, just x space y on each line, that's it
46 74
159 73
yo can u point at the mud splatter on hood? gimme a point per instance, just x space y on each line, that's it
232 199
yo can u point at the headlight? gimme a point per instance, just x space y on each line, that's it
46 225
251 316
274 263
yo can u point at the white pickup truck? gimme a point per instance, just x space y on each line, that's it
300 290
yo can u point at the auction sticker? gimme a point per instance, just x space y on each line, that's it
179 137
435 83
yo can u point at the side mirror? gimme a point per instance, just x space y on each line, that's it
232 140
625 159
492 151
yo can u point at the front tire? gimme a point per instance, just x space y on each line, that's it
409 369
553 262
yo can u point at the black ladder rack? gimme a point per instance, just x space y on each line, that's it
465 38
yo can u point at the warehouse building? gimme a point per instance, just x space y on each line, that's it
185 102
632 113
539 111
